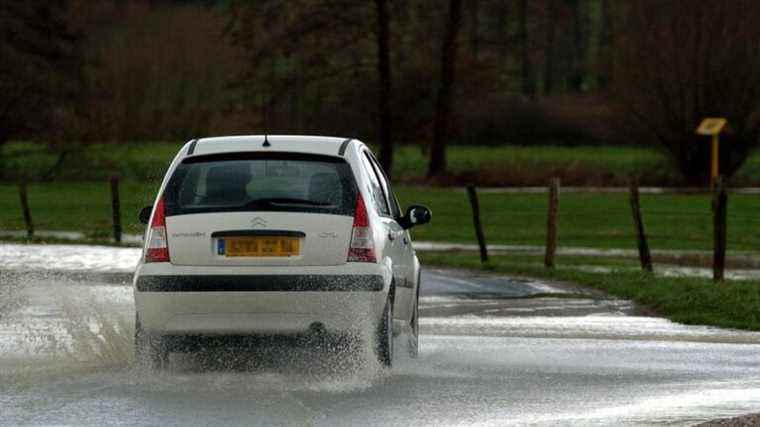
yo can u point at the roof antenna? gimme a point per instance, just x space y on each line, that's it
266 142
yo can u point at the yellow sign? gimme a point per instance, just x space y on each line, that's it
711 126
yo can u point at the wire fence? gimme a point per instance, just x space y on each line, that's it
95 210
604 220
697 224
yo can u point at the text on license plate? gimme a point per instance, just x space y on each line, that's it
260 246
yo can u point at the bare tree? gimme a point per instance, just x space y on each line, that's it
577 74
550 61
333 72
682 64
528 84
605 51
441 127
474 27
384 88
40 69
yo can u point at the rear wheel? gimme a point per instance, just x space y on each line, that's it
384 335
150 350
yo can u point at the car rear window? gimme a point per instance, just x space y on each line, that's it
244 182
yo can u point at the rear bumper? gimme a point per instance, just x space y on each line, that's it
261 283
184 301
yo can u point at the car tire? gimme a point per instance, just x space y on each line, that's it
384 334
414 336
150 350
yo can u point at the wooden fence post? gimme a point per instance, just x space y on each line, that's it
641 238
116 208
473 196
551 228
22 191
719 207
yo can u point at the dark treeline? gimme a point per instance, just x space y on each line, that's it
427 72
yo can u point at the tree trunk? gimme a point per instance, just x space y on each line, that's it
475 28
384 92
505 47
604 55
550 60
445 90
528 85
578 67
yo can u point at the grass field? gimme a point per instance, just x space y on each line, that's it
504 165
586 219
484 165
686 300
81 206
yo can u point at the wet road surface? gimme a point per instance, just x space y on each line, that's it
494 351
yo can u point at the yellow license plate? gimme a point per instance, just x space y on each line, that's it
264 246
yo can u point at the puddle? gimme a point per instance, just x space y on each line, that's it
57 257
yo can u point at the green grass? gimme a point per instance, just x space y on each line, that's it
586 219
78 198
146 160
621 161
487 165
734 304
599 220
84 207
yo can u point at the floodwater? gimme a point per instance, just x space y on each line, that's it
494 351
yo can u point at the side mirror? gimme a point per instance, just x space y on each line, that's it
145 214
415 215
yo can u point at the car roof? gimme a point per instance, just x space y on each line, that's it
325 145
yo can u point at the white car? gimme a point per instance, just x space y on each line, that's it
275 235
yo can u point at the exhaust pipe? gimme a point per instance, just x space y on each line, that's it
317 328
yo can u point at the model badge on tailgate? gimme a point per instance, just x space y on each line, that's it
196 234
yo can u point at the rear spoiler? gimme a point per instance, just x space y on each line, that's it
341 150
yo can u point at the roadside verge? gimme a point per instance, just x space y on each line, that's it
688 300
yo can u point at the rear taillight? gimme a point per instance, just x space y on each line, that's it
158 245
362 247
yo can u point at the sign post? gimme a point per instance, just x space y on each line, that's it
713 126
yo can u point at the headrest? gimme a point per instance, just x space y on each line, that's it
325 188
227 183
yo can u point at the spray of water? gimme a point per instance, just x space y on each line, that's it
53 326
97 337
64 327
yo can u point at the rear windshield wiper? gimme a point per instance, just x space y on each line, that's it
286 201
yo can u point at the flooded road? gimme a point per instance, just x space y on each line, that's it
494 351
